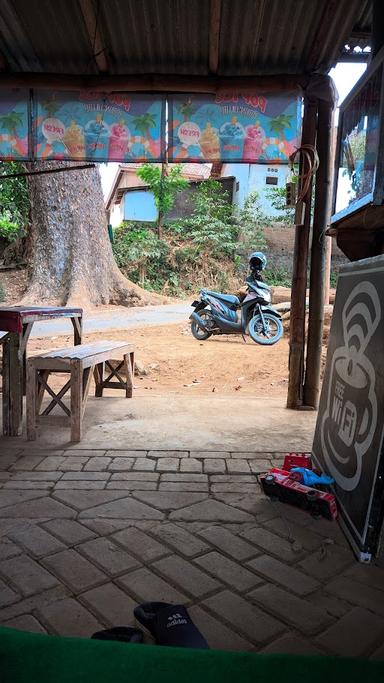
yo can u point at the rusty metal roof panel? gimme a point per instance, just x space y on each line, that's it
294 36
172 36
41 35
157 36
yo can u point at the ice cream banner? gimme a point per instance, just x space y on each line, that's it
95 126
14 124
234 128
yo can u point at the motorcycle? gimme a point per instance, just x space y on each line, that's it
217 313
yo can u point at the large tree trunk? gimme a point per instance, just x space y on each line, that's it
72 259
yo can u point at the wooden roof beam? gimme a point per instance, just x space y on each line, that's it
214 35
157 82
91 21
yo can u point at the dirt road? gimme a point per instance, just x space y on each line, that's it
118 318
174 361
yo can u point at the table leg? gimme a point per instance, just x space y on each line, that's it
13 385
77 330
27 328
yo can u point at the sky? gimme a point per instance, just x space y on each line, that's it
344 74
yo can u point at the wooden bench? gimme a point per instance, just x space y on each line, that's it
79 361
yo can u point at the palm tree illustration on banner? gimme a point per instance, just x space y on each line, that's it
143 123
280 123
187 109
10 122
51 107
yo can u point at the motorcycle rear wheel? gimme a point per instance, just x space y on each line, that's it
197 332
271 334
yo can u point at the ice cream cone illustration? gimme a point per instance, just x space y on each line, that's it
232 139
74 141
96 136
118 142
210 143
254 142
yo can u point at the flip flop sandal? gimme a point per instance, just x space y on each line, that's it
170 625
124 634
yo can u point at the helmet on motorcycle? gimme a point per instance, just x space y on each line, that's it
257 261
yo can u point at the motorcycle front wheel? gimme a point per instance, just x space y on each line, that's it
266 333
196 330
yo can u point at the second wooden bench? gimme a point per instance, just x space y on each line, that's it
107 359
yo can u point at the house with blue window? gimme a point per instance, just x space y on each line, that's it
130 199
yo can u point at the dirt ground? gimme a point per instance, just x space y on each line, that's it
173 361
176 362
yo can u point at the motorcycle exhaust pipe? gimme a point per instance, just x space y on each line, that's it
195 316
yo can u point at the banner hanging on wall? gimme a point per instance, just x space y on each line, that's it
14 125
93 126
245 128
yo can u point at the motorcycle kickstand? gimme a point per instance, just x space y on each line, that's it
244 338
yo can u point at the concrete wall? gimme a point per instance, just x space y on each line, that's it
280 245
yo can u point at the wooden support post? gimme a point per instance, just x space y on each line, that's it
318 255
299 274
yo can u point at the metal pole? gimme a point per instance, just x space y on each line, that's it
321 218
299 274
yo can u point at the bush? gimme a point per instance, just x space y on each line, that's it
2 293
139 252
211 227
8 229
251 221
14 202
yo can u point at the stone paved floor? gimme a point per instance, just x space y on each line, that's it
86 535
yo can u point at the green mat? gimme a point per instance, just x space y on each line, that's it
36 658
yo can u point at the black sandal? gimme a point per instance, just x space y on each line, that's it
170 625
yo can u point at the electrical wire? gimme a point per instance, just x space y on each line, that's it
309 157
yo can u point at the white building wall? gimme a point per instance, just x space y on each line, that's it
250 177
116 216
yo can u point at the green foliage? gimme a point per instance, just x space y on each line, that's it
251 220
134 246
2 293
211 227
164 187
277 197
140 253
278 277
14 202
333 279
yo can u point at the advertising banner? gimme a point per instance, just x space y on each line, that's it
94 126
348 443
14 125
260 128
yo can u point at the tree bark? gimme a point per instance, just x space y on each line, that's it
72 259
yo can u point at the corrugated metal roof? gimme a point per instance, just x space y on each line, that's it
172 36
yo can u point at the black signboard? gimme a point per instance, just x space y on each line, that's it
348 443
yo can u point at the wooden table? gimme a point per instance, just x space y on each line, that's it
17 322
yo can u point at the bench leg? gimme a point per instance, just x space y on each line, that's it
98 374
76 400
129 366
32 390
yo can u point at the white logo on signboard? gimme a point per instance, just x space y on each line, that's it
350 418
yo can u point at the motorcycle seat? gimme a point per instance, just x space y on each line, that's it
227 298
